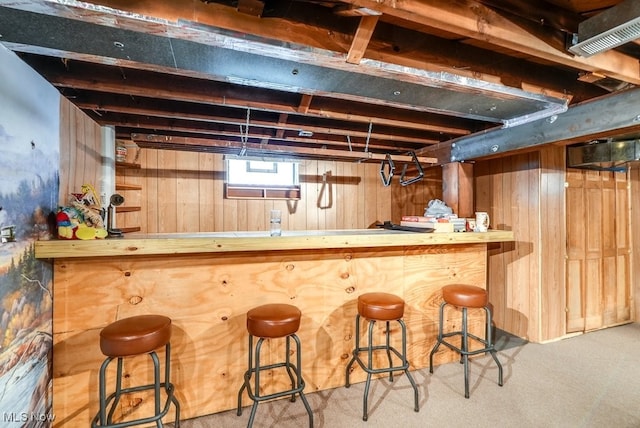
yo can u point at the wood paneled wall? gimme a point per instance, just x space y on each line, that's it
570 268
509 190
525 193
184 192
553 215
80 151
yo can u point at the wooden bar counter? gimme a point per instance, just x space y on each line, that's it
207 282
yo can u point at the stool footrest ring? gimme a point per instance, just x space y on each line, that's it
108 404
254 368
463 349
256 397
370 370
403 367
487 347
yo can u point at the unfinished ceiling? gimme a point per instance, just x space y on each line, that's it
352 80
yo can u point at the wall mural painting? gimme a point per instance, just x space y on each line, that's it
29 167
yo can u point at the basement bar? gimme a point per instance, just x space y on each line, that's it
171 166
207 283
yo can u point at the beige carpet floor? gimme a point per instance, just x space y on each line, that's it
591 380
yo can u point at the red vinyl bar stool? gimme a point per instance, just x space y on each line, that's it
129 337
273 321
382 307
465 297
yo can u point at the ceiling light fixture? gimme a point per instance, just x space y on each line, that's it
609 29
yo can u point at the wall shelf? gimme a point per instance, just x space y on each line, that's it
127 209
260 192
128 187
127 165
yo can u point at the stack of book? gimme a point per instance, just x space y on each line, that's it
437 224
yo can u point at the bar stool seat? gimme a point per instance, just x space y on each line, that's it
135 336
461 295
273 321
383 307
466 297
130 337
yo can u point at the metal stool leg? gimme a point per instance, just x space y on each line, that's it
300 380
440 336
490 345
247 373
254 368
463 349
405 363
388 349
354 353
168 385
369 370
464 352
368 367
288 366
108 404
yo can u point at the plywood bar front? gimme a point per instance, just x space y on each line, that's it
207 283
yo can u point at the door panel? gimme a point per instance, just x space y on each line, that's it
598 250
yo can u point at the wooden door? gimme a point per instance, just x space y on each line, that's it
598 250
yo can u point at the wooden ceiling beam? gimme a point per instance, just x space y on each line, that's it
177 15
206 145
229 130
305 102
474 20
361 39
135 83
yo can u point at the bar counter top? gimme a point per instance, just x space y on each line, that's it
224 242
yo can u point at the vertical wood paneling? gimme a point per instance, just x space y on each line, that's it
358 170
66 150
206 190
309 200
553 236
184 192
187 192
167 189
623 228
509 190
80 151
413 199
149 165
218 192
634 275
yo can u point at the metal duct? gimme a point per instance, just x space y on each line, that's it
613 27
610 155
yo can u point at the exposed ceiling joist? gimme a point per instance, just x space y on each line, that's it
339 75
476 21
314 71
252 149
361 39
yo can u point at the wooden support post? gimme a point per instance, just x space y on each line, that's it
457 187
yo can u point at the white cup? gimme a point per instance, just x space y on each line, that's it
482 221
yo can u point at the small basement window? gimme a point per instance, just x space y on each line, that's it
258 178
